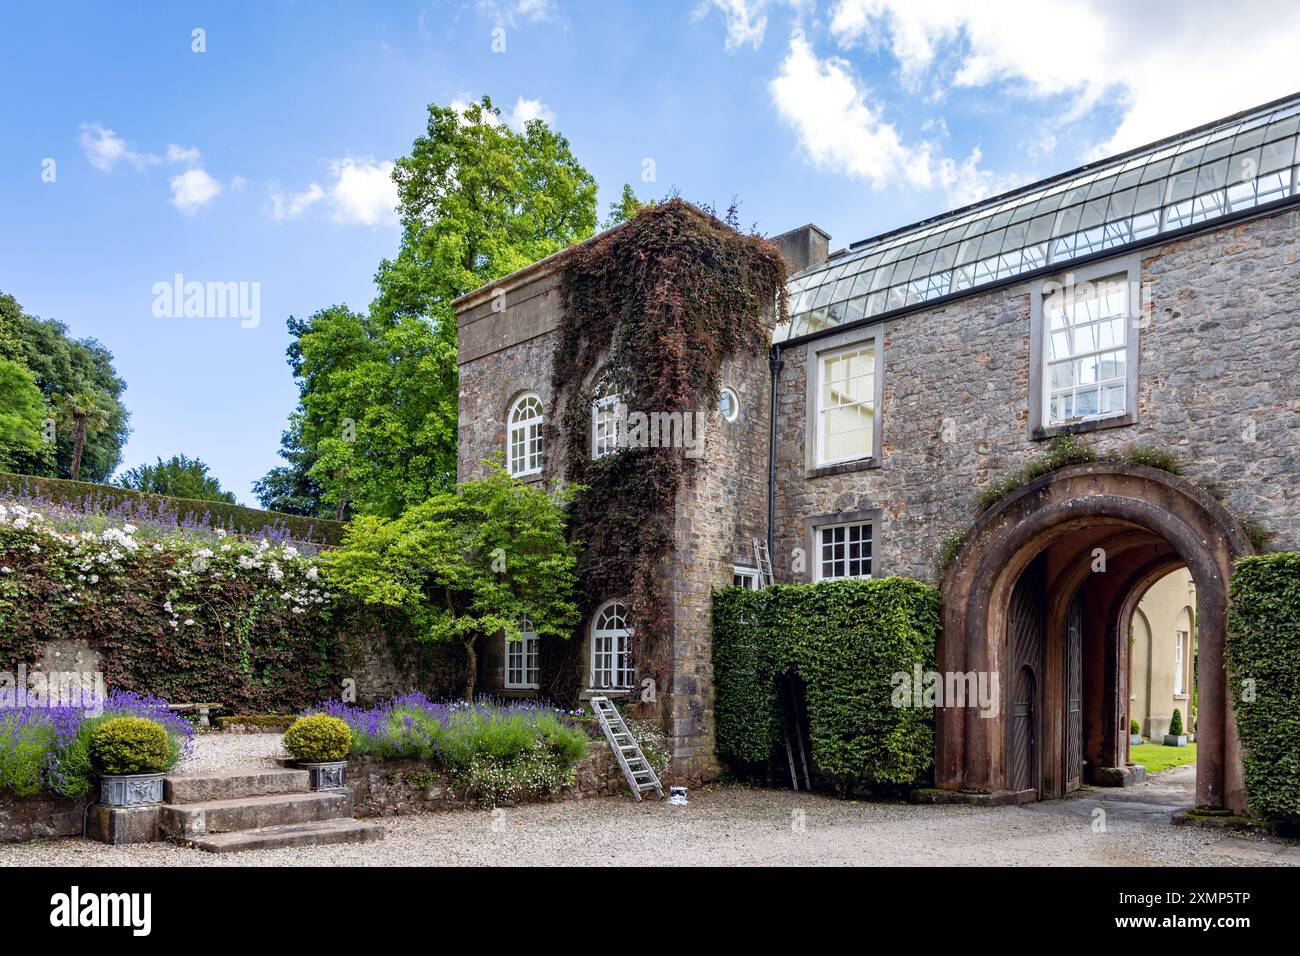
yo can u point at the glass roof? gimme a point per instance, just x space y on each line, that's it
1238 163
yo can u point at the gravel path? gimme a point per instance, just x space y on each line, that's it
220 751
733 825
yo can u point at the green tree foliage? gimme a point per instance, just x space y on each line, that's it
466 564
22 413
83 413
179 477
627 206
375 431
64 366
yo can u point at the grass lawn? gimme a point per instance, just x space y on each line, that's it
1157 757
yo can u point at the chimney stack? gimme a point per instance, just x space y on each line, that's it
803 247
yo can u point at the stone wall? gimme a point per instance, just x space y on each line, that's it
394 787
1219 353
30 818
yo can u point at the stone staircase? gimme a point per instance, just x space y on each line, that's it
257 808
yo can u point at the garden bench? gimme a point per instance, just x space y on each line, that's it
204 710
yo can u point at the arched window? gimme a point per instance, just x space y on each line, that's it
522 669
611 657
604 418
524 439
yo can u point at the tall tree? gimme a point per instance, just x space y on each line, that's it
467 564
478 200
627 206
22 414
179 477
63 365
85 412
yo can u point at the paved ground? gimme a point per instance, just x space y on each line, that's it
736 825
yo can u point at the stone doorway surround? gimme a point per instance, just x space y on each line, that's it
1144 522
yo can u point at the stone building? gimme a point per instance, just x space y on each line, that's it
1144 305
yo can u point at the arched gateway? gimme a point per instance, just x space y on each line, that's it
1042 593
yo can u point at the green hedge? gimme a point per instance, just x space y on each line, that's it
105 498
1264 672
845 640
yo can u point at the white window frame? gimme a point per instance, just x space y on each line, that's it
610 662
605 437
748 576
729 393
1180 661
523 668
526 433
1125 270
820 530
818 353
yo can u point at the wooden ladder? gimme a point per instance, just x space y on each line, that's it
640 775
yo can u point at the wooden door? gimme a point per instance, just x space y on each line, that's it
1025 619
1074 695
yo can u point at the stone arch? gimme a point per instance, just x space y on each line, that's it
1143 522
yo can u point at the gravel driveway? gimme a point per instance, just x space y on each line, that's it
734 825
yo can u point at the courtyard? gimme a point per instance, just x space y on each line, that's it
730 825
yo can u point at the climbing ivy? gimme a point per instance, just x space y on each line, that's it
654 307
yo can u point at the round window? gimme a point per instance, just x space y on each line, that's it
729 405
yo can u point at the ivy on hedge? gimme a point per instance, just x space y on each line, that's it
846 640
1263 652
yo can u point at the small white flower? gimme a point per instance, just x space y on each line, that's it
6 571
189 622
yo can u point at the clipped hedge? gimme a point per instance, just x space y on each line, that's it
1263 653
218 514
845 640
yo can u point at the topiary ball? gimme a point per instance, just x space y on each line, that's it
318 738
129 745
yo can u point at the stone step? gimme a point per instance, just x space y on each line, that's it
316 833
188 820
233 784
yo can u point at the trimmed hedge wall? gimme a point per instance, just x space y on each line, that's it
1263 653
235 518
845 640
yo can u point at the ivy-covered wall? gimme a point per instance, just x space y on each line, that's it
251 625
845 640
1263 653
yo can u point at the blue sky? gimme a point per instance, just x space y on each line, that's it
263 159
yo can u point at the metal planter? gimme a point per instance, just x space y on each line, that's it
327 776
132 790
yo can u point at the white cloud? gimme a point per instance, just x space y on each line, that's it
511 12
105 149
526 110
1170 67
746 20
192 190
362 192
841 130
182 154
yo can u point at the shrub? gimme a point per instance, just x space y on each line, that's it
48 749
496 751
1263 652
1134 728
845 640
1176 724
318 738
127 745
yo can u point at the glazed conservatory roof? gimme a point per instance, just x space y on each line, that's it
1211 172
